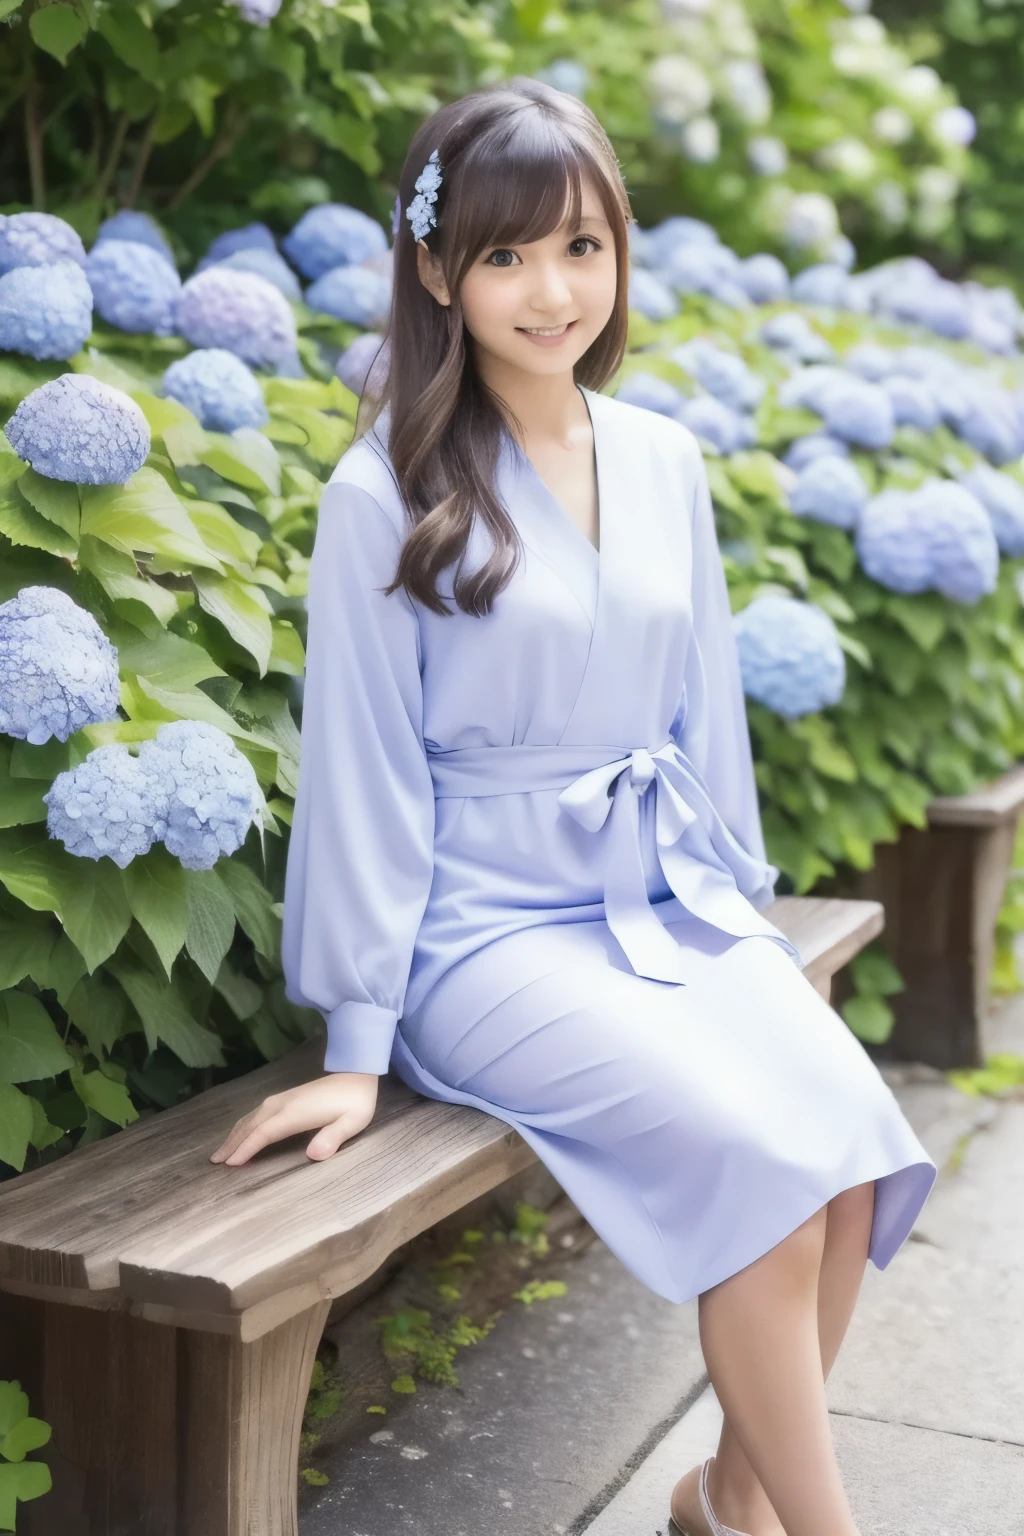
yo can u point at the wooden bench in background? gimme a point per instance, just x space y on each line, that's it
163 1312
942 887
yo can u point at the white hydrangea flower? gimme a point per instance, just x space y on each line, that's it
748 90
890 203
701 141
954 125
767 156
811 220
847 157
891 125
681 88
919 83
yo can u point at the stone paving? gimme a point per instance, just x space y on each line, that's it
576 1415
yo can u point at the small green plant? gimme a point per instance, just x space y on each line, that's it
1002 1076
20 1433
875 978
411 1332
322 1402
529 1229
540 1290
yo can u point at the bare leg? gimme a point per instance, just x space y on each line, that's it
813 1288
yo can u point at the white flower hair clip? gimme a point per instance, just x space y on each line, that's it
420 211
396 215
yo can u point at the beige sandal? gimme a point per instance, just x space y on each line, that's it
716 1526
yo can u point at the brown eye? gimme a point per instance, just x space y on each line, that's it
585 241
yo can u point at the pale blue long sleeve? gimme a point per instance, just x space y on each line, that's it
360 859
715 735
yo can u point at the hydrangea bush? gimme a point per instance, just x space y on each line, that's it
158 497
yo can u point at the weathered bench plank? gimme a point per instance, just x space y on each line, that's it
164 1311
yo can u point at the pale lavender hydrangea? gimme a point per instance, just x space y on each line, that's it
58 670
211 791
45 312
790 657
134 287
251 237
859 413
830 490
355 363
937 536
824 284
1003 500
218 388
77 429
792 334
913 403
239 311
355 294
764 278
259 13
38 240
815 445
128 224
871 361
108 806
266 264
723 374
333 235
651 394
717 424
652 297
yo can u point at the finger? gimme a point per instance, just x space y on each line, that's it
327 1141
258 1130
237 1134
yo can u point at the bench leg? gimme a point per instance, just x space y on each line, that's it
942 889
161 1431
240 1415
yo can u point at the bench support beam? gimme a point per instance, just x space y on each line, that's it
162 1431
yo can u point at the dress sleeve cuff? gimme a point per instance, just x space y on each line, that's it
359 1037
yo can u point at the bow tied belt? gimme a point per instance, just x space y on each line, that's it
603 785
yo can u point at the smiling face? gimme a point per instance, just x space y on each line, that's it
536 307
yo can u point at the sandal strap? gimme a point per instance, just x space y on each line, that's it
717 1528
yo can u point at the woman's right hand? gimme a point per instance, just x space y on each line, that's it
336 1106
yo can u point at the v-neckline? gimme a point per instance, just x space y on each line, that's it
532 469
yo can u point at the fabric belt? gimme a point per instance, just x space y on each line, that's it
603 784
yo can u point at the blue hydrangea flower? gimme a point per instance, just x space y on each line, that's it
355 294
239 311
859 413
990 424
702 269
567 75
45 312
892 542
722 374
790 657
251 237
792 334
672 234
717 424
824 284
333 235
258 13
815 446
134 288
1003 500
127 224
266 264
830 490
58 670
38 240
765 279
212 794
649 295
965 555
651 393
870 361
913 403
354 365
108 806
76 429
218 388
808 387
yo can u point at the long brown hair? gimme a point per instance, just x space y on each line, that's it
513 157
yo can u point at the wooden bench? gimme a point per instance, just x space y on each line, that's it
942 887
163 1312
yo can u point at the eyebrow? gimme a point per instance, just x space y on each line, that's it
593 218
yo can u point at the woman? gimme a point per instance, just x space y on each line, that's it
526 868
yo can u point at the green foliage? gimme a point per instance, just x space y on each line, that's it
1005 975
933 702
875 978
411 1332
1000 1077
540 1290
20 1434
122 992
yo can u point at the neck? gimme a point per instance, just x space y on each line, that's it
548 406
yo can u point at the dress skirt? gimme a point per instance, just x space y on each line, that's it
693 1126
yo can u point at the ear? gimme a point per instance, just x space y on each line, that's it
429 268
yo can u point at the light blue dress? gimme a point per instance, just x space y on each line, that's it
527 870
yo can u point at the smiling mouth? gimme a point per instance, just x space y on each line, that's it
546 330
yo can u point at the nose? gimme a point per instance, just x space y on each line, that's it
550 292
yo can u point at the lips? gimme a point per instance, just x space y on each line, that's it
548 338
